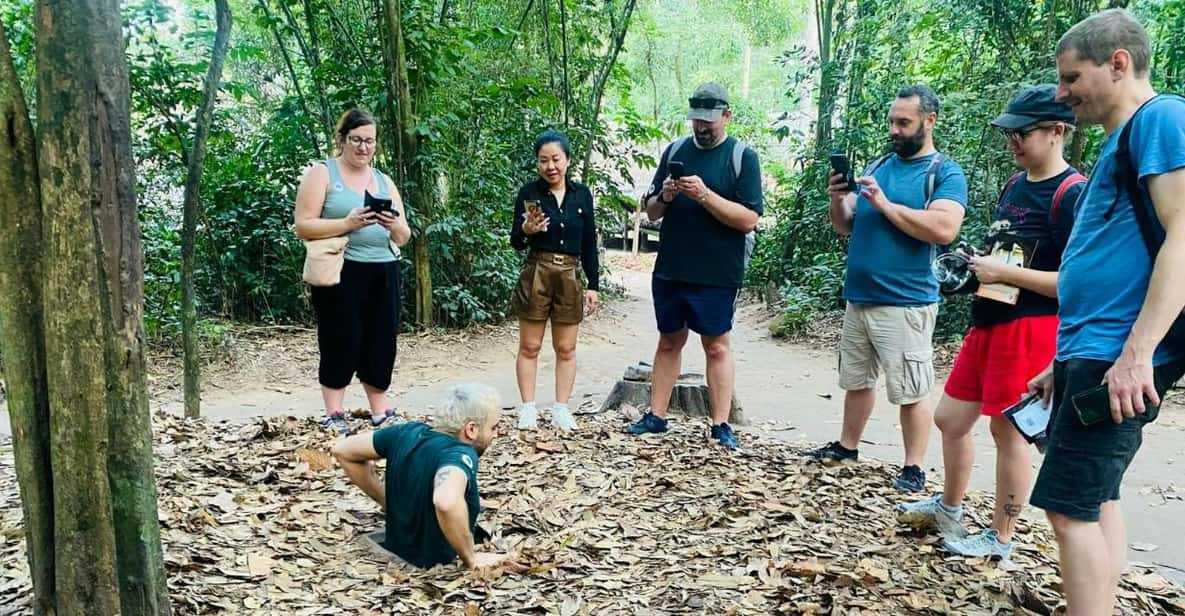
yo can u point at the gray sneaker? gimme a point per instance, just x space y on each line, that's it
984 545
931 513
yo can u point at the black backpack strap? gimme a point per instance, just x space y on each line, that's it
1128 178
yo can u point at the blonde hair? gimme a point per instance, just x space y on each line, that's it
466 402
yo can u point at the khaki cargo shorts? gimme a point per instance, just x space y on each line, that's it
895 338
549 288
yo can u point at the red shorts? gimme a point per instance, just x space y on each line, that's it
996 362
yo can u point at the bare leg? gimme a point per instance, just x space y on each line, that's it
857 408
721 375
1014 476
377 399
668 359
1086 565
334 399
916 419
955 419
1115 534
563 340
526 364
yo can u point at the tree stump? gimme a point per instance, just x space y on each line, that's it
690 396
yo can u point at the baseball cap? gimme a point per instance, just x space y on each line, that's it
708 102
1036 104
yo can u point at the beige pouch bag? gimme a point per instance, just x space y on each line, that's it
323 261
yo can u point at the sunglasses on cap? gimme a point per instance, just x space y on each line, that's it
707 103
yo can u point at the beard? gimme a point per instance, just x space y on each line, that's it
906 146
705 138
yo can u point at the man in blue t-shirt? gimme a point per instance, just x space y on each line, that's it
430 495
1117 348
906 204
707 191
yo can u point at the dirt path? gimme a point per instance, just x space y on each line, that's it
788 389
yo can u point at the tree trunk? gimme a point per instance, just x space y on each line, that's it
416 189
106 535
21 330
602 80
191 211
304 106
825 23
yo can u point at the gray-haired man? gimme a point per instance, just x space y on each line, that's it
430 492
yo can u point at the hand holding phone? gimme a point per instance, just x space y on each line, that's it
841 166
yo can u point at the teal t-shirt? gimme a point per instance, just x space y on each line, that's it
414 452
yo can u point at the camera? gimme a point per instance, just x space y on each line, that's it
953 272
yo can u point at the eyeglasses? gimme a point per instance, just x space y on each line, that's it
1020 134
357 141
707 103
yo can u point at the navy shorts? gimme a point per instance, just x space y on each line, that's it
706 310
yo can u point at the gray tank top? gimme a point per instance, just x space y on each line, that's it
370 244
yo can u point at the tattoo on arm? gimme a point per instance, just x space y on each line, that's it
442 476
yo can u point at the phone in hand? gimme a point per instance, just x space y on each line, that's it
840 164
379 204
534 210
675 169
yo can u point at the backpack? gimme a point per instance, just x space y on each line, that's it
1127 178
738 154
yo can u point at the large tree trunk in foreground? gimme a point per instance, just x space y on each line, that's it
21 339
106 538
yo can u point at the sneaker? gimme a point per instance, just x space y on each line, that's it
833 453
378 420
648 424
337 422
561 417
931 512
723 433
528 416
984 545
911 479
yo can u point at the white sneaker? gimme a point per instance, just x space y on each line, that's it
528 417
561 417
931 512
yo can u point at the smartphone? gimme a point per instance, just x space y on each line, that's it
533 208
675 169
1092 405
378 204
840 164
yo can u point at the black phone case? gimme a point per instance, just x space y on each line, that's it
1092 405
841 165
675 170
377 204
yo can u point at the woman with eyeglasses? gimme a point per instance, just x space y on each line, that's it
358 319
1013 322
553 218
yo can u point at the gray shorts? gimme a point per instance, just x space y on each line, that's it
897 339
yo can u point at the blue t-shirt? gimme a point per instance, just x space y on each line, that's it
886 267
1105 269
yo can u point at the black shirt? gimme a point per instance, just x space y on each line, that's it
694 247
1024 216
572 228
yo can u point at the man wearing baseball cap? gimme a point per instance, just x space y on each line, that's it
707 191
1013 321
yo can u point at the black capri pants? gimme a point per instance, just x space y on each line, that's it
357 324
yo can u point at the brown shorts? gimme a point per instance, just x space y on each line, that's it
549 288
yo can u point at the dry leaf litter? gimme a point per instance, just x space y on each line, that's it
257 519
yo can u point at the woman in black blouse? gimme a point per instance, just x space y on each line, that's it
553 218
